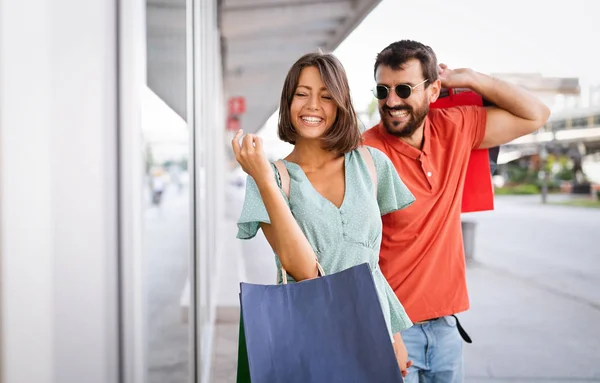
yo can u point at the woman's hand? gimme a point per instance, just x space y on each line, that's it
252 158
401 354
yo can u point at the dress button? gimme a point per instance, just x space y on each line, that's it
428 174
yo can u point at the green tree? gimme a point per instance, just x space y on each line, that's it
372 108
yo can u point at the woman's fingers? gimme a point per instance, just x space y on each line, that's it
258 143
248 144
249 153
235 144
405 370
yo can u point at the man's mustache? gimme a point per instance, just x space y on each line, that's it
386 108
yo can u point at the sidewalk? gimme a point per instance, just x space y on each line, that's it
224 359
234 270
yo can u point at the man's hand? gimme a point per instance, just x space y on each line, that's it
517 112
401 354
457 78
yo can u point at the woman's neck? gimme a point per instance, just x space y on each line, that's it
310 155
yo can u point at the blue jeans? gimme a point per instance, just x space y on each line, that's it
436 350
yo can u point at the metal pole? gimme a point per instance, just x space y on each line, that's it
545 186
543 164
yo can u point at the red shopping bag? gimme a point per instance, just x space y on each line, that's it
478 191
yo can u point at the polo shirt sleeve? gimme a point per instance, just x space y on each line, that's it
392 194
472 119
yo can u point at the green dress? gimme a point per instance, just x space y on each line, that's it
346 236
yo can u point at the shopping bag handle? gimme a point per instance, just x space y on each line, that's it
284 273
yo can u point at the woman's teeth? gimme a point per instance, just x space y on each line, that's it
312 120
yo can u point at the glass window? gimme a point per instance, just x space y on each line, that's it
580 122
167 220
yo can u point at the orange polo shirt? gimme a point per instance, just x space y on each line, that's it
422 253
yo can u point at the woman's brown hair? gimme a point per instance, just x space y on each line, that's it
344 135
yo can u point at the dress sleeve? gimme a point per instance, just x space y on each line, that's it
392 194
398 317
253 210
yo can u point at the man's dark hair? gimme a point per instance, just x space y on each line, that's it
397 54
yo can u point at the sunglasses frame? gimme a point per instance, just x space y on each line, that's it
374 90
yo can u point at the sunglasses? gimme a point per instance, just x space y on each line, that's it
381 92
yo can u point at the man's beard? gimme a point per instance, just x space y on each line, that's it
416 119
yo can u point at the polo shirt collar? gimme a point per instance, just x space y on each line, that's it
404 148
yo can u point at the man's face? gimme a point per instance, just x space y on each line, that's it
401 117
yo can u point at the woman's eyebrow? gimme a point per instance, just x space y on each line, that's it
309 88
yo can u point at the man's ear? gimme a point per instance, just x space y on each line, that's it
434 90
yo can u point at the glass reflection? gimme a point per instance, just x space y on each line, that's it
167 217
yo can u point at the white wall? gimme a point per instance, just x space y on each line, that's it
59 190
84 189
26 236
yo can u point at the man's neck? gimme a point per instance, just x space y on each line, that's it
417 138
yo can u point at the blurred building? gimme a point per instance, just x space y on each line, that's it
556 92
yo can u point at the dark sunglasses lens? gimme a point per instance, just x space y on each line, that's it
381 92
403 91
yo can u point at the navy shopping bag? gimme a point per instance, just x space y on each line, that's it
329 329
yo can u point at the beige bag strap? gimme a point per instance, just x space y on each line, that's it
284 176
366 155
284 273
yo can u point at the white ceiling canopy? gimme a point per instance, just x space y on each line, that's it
261 40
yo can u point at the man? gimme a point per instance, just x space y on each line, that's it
422 253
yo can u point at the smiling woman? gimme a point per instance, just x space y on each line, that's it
316 95
321 204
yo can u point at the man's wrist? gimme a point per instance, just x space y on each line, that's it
474 80
482 84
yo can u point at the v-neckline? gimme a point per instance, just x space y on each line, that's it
317 192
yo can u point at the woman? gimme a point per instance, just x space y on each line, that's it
331 213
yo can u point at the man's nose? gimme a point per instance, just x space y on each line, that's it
393 100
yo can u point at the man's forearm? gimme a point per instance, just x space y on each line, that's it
509 97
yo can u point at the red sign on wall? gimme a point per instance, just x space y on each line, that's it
237 105
233 124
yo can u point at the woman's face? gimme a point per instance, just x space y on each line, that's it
313 111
